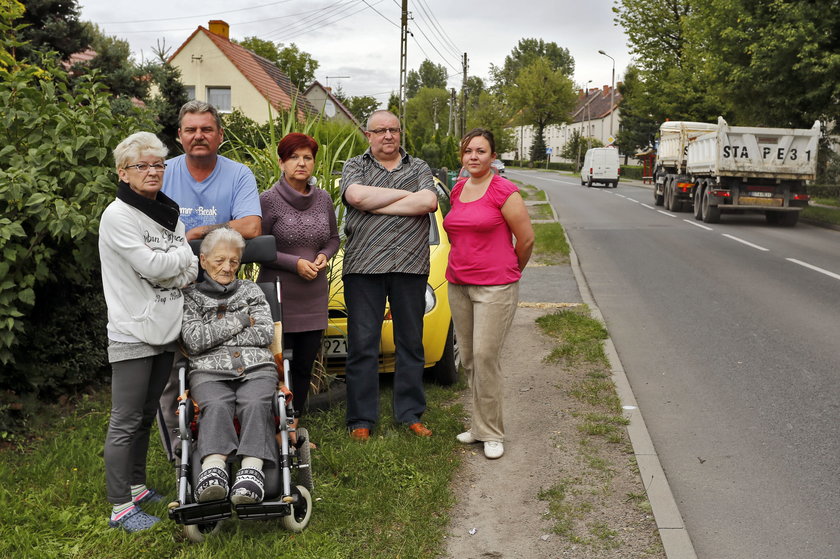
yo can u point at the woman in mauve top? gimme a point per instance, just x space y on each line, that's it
301 217
491 240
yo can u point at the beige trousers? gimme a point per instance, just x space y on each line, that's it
482 315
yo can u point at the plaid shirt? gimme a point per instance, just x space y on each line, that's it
381 244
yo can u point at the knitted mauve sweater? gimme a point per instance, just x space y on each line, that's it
304 225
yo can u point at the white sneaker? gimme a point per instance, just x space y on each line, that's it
466 437
493 449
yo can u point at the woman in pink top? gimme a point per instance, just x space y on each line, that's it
491 237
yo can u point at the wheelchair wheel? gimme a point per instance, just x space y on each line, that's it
304 461
198 532
301 511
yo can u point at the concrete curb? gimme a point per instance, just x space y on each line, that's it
672 531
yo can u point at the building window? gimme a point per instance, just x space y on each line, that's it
190 91
219 97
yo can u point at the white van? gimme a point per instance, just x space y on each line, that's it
600 165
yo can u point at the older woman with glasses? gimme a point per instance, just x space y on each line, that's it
145 262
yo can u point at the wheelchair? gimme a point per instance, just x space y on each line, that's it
288 484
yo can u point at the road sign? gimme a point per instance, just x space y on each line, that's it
548 151
610 140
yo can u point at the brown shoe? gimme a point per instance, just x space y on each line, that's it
360 434
420 430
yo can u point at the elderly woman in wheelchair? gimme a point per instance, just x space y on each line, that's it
231 334
226 334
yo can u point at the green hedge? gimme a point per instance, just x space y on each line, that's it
824 190
631 172
541 165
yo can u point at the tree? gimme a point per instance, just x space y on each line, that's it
541 96
775 63
490 112
524 54
426 114
394 103
171 96
655 30
295 63
361 107
51 25
117 71
638 126
576 147
429 75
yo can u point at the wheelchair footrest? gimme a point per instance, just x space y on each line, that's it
200 513
264 510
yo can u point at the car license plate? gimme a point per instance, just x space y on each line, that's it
335 347
758 194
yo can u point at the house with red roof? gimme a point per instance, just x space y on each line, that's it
229 76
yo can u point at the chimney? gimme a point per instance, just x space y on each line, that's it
606 90
220 28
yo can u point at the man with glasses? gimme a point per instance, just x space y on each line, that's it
212 192
389 196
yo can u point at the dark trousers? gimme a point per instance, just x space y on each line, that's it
304 346
365 296
136 385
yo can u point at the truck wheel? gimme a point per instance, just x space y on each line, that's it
698 201
658 199
711 214
670 202
789 219
772 218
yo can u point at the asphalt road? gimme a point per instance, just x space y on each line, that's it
729 336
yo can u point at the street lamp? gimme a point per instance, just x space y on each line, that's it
612 91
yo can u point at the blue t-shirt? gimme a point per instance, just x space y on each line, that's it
230 192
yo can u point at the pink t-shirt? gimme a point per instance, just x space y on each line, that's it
482 243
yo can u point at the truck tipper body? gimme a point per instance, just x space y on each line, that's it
744 168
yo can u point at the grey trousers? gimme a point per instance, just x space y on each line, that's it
482 315
136 385
251 401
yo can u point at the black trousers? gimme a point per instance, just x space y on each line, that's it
304 346
365 296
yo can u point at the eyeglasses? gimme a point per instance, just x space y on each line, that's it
381 131
144 167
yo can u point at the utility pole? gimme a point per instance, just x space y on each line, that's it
464 99
403 64
451 129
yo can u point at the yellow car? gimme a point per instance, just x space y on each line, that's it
439 342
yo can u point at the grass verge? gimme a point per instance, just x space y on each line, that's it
385 498
601 504
822 214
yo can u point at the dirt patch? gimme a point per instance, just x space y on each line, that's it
558 491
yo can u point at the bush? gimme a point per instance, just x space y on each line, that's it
631 172
56 178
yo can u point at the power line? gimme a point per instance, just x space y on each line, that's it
315 21
434 47
380 13
431 21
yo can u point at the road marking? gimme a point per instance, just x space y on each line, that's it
620 195
666 213
698 225
815 268
749 244
648 207
634 201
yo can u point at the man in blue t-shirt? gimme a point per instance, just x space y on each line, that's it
212 191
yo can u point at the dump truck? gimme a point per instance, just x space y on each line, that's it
672 185
743 168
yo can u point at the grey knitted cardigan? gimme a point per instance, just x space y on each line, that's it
217 334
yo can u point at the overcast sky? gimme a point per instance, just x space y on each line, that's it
361 38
